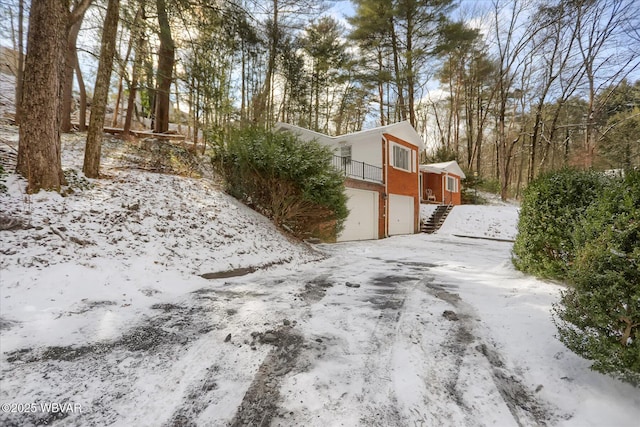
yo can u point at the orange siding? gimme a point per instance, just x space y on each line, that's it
434 182
402 182
438 185
453 197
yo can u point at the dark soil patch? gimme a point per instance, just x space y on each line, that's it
421 265
450 315
392 280
229 273
12 223
315 289
385 302
386 294
442 292
166 307
237 272
6 324
146 338
260 403
158 332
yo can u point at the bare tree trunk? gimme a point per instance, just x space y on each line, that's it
191 114
123 70
75 22
166 59
410 72
39 146
67 93
116 109
91 167
398 73
381 86
243 88
178 112
82 116
264 108
137 63
20 70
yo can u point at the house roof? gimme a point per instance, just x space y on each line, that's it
402 130
450 167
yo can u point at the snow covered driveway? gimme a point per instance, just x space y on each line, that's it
111 314
417 330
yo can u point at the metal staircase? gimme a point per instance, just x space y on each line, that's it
436 220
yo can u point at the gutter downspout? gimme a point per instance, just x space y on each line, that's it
386 185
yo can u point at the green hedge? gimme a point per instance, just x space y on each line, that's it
599 316
584 228
552 206
284 178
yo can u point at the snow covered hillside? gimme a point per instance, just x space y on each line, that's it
152 299
121 236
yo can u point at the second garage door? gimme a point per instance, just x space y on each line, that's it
401 210
362 222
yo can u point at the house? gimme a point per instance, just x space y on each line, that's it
441 183
382 178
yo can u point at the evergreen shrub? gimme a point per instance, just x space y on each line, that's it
599 316
551 208
286 179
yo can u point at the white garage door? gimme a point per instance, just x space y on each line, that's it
401 211
362 222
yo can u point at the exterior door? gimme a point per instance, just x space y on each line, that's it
362 222
401 215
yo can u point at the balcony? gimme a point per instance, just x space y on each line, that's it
357 170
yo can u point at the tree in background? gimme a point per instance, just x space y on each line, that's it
284 15
13 27
137 39
468 73
512 44
72 65
39 146
322 42
164 74
601 27
295 106
370 33
91 167
620 126
403 33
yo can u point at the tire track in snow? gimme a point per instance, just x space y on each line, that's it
524 407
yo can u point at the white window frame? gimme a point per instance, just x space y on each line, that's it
345 153
452 188
394 157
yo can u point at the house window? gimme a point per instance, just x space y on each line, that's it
452 184
345 153
401 157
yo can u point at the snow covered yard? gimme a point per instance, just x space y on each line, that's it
104 308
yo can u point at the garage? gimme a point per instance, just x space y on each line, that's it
362 222
401 214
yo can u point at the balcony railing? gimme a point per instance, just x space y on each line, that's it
357 170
